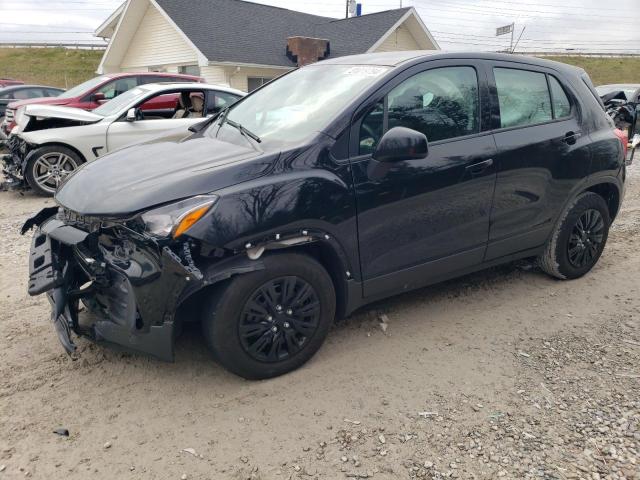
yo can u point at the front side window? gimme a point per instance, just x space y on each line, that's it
116 106
523 97
118 87
561 104
27 93
442 103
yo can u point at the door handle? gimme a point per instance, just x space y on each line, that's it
478 168
570 138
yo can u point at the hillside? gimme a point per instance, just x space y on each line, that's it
58 67
65 68
606 70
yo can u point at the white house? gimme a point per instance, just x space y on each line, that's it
244 44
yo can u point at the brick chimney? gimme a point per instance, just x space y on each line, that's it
306 50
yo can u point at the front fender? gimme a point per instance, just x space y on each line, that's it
316 203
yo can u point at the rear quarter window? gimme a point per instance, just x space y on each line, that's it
561 103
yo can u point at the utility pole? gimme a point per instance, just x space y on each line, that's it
518 41
513 27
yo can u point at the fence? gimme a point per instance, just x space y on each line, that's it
74 46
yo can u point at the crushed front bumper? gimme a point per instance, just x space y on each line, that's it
13 164
115 289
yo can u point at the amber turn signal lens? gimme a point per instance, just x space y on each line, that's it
189 219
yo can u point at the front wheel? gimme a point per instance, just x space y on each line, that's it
47 167
578 239
269 322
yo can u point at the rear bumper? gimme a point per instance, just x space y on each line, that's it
126 300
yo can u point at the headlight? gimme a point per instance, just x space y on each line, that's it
19 117
176 218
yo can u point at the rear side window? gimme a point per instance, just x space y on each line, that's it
523 97
561 104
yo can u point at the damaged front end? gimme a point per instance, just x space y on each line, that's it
108 282
13 164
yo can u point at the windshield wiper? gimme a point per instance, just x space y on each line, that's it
198 127
243 131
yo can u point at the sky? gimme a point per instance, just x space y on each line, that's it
549 25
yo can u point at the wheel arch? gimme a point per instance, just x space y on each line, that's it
610 192
321 248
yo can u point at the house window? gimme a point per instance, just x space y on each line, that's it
189 70
158 68
256 82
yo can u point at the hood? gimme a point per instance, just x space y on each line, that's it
67 113
136 178
41 101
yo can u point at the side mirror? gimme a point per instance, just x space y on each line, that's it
401 143
98 97
132 115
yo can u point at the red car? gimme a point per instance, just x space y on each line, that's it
93 93
9 82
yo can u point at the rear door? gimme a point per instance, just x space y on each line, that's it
421 219
542 154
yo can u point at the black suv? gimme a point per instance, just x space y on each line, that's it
337 184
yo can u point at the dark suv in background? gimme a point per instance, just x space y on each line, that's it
93 93
336 185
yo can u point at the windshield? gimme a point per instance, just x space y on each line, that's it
627 89
295 106
83 87
117 104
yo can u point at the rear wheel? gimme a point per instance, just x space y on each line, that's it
578 239
47 167
269 322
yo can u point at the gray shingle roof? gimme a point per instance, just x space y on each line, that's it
244 32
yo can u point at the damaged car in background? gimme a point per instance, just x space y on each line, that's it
50 142
335 185
622 102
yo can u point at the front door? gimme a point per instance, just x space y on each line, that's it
419 220
155 117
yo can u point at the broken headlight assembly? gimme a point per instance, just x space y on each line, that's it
176 218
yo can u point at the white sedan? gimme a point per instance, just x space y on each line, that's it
50 142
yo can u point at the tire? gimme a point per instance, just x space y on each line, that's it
48 166
578 238
265 323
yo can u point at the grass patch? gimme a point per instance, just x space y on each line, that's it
58 67
606 70
61 67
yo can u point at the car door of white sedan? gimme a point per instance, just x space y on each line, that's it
123 133
151 123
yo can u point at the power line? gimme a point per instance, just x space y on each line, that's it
512 11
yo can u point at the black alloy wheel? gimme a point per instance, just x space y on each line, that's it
271 321
578 239
279 318
586 238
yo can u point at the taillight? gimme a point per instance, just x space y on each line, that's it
624 139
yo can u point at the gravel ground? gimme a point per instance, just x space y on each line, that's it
506 373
